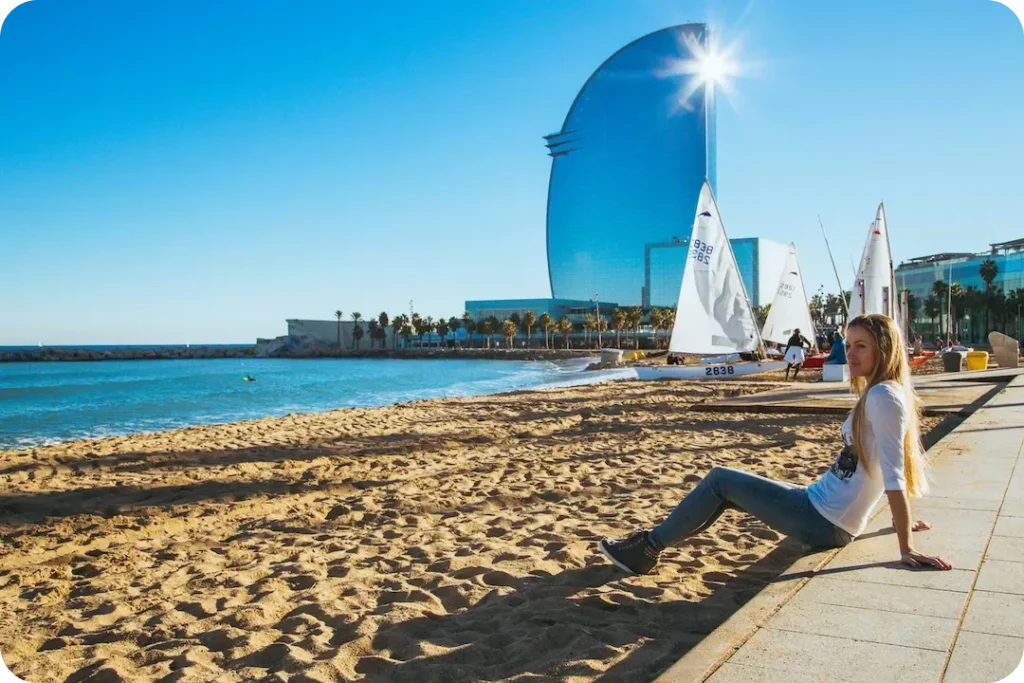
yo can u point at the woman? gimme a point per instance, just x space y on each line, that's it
882 454
794 353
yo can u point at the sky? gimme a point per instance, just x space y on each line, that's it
194 172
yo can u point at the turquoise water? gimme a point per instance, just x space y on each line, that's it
44 403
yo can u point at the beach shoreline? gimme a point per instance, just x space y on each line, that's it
436 539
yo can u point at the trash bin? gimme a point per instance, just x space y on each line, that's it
611 356
952 361
977 360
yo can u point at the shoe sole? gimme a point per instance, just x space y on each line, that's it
604 551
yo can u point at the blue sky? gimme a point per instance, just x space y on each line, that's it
199 172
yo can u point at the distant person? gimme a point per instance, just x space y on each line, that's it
939 344
882 455
918 345
837 355
795 352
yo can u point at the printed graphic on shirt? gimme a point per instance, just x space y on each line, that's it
846 464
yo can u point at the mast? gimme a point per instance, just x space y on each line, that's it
746 298
842 292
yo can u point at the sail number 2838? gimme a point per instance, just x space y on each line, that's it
701 251
718 370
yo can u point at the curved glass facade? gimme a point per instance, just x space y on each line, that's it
627 167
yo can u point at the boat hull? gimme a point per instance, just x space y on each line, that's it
714 372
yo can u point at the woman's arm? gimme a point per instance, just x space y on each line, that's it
900 507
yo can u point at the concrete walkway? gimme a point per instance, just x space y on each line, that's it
857 615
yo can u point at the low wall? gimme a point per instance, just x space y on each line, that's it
167 353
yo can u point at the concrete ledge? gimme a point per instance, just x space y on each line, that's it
701 661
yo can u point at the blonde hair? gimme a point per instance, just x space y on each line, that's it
890 366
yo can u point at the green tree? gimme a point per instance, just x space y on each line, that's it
484 328
529 320
816 306
338 314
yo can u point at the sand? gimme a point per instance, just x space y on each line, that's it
444 540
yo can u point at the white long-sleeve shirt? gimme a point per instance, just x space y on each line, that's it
845 495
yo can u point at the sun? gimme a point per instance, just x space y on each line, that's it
705 65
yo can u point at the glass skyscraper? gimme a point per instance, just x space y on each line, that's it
626 171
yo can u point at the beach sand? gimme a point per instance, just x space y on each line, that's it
449 540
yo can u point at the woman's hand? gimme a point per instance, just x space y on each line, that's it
912 558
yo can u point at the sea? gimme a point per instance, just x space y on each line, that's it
50 402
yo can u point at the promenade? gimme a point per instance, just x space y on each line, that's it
856 614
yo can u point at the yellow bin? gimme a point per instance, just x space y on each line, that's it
977 360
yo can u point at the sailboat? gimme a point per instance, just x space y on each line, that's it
874 288
789 310
713 316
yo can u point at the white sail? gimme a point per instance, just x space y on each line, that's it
874 288
713 315
789 310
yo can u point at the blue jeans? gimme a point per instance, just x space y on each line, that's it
784 507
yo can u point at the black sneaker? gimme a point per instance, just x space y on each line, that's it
635 554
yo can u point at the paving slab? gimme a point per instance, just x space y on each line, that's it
1012 508
1006 548
998 614
983 658
1001 577
741 673
1010 526
832 589
859 623
823 656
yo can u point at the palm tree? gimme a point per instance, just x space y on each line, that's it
442 330
374 326
356 317
510 328
988 271
761 314
655 319
940 289
589 325
397 323
565 327
468 324
529 320
618 324
956 300
635 316
931 308
816 306
454 324
485 328
338 314
546 323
